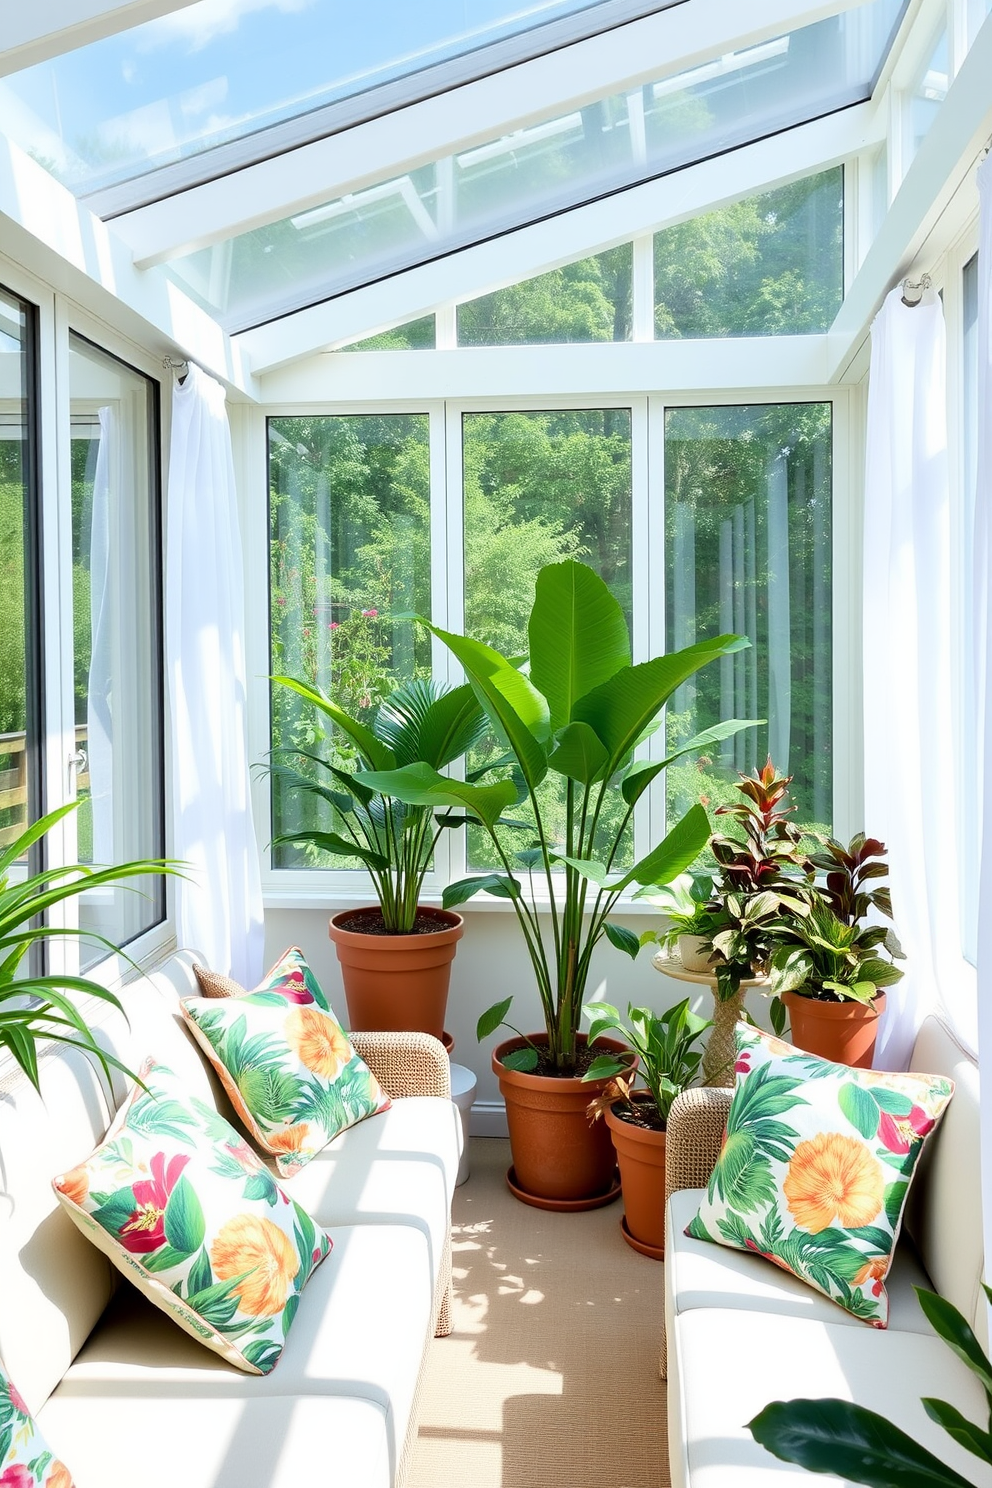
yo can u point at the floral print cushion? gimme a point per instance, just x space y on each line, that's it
187 1211
286 1063
816 1165
26 1460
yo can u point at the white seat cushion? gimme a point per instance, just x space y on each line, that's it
701 1274
734 1362
144 1402
398 1167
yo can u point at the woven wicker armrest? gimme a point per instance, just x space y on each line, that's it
695 1134
406 1063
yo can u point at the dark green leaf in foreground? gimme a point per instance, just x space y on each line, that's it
834 1436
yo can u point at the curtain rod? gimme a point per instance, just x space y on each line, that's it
175 364
913 290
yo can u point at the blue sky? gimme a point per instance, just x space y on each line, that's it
221 67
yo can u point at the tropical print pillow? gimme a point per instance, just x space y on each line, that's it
187 1211
26 1460
286 1063
816 1165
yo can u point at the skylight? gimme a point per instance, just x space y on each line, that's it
220 70
543 169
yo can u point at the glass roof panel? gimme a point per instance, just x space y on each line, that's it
544 169
222 69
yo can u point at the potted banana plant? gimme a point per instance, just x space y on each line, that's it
572 721
395 955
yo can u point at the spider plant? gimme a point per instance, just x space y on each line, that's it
36 1007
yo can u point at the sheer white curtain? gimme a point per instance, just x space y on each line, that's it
220 909
910 754
983 680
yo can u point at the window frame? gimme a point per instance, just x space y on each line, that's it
342 888
54 316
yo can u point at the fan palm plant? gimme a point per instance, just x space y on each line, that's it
36 1007
421 724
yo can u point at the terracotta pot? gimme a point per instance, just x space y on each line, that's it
641 1155
691 955
561 1160
397 982
843 1032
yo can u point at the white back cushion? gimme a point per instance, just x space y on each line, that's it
944 1214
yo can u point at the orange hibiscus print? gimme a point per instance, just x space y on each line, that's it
875 1272
317 1041
58 1476
290 1139
75 1185
258 1251
833 1178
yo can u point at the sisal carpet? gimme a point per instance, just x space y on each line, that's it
551 1373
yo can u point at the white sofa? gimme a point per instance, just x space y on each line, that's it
123 1396
741 1333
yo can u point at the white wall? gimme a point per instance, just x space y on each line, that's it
490 964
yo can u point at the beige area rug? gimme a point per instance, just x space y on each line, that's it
550 1376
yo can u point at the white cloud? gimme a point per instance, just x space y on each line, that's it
202 23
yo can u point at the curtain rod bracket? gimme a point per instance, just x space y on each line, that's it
175 364
914 290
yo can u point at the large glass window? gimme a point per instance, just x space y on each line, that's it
585 301
540 487
967 816
19 600
747 519
349 550
117 672
770 265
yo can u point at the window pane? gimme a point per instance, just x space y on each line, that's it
540 487
116 636
19 627
748 549
929 92
349 512
416 335
770 265
585 301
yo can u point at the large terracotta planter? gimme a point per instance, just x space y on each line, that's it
843 1032
397 982
641 1156
561 1160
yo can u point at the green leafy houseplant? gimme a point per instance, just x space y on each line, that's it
849 1441
667 1063
579 711
421 724
35 1007
760 871
686 905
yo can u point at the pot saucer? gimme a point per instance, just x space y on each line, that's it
562 1206
448 1040
655 1252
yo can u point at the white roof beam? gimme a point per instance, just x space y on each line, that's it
657 46
43 227
744 364
951 149
518 255
34 33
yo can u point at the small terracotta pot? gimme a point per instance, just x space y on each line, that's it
397 982
561 1160
692 956
843 1032
641 1155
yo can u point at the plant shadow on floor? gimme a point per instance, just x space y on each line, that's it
551 1372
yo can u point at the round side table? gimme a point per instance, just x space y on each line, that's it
719 1054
